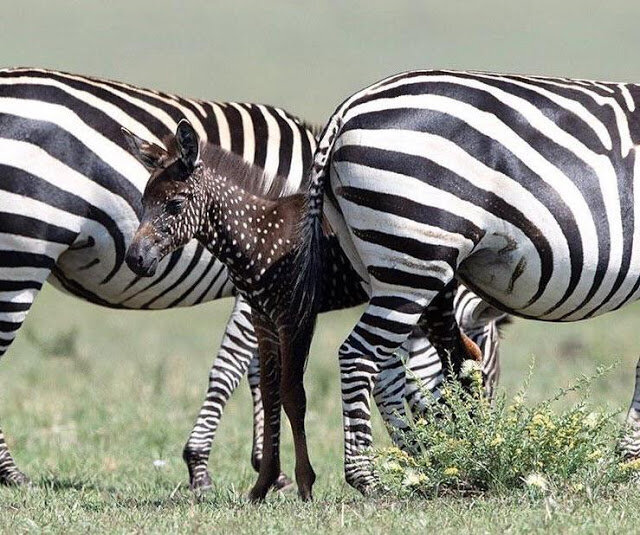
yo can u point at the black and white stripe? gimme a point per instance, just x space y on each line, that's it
70 201
521 187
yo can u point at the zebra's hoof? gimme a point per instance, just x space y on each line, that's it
283 482
15 479
200 482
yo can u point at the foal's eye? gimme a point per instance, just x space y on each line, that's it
174 206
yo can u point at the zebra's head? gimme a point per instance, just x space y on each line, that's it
171 204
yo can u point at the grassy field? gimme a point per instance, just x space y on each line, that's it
88 424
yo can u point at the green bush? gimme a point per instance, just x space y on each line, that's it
463 444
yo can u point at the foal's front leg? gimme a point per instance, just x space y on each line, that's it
294 349
270 390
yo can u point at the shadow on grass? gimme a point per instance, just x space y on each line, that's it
61 484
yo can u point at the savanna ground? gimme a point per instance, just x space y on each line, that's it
90 398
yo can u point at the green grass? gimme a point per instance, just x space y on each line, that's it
89 398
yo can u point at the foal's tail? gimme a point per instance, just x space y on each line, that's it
309 262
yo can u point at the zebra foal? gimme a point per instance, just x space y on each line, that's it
521 187
206 193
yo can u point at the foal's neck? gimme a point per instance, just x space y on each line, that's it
251 235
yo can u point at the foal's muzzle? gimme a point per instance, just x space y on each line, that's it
143 257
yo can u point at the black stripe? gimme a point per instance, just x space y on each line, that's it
286 144
235 128
398 277
194 261
260 134
22 183
29 227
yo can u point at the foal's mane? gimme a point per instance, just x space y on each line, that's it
250 178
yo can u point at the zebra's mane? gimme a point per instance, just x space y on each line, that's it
251 178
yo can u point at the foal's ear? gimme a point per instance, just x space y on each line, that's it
188 144
149 154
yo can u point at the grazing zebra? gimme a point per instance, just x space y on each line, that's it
70 200
522 187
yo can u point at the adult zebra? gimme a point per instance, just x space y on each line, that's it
70 201
521 187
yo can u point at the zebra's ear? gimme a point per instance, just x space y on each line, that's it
188 144
149 154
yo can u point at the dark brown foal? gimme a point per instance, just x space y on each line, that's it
250 224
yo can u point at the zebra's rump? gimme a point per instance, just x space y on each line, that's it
528 180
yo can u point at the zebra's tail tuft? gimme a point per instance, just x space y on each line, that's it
309 261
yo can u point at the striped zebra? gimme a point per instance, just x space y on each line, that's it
70 201
521 187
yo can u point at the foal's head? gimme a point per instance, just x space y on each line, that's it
172 200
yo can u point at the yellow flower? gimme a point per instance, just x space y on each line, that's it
452 471
630 466
497 441
536 480
413 478
596 454
392 466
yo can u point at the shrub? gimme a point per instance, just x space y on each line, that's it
463 444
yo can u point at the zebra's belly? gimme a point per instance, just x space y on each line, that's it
91 269
511 275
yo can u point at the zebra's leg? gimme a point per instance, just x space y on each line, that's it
481 322
386 323
389 394
253 375
237 350
487 338
630 442
453 347
423 373
18 289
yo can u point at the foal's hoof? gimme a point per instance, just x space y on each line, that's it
201 482
257 495
283 482
15 478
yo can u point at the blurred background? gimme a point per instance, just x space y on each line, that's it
87 390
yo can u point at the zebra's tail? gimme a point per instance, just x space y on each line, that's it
309 262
